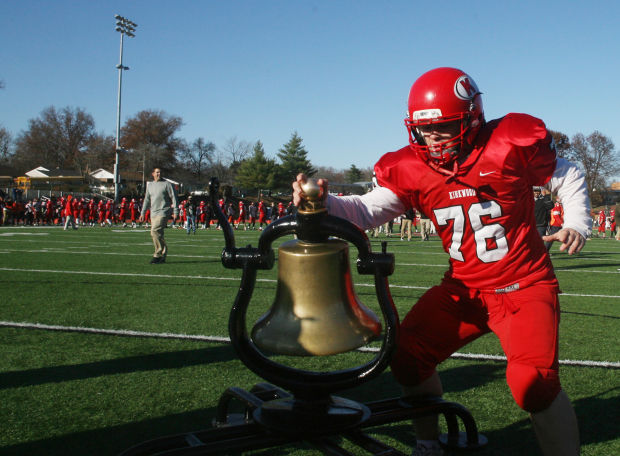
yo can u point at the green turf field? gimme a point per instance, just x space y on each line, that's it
64 392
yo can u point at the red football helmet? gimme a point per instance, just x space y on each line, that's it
438 97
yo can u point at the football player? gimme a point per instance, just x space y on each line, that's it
241 218
134 212
262 215
122 213
602 217
473 178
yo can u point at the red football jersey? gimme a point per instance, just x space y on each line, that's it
485 213
557 215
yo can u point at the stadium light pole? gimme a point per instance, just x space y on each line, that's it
125 27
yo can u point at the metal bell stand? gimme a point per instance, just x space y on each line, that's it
301 408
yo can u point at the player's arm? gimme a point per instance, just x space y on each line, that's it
366 211
569 184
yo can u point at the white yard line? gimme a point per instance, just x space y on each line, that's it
97 252
226 340
135 274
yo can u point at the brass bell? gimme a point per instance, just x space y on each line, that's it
316 310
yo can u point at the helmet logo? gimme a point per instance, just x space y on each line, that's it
465 88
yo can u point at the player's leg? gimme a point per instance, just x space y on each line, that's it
556 427
526 321
442 321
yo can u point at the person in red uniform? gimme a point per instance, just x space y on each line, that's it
49 211
262 215
92 212
134 212
182 215
473 178
281 210
109 212
69 210
556 221
122 213
241 218
82 211
202 215
222 206
101 212
75 206
601 223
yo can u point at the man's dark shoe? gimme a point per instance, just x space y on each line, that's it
162 259
156 260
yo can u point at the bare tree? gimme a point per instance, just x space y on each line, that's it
230 156
562 144
219 167
331 174
597 157
99 152
198 158
150 133
236 151
5 145
56 138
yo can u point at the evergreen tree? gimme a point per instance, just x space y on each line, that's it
258 171
354 174
294 160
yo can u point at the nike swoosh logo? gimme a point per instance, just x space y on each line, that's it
486 174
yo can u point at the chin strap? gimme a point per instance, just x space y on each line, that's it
446 172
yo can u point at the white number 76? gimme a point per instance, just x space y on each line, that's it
481 231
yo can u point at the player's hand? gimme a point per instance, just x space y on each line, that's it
298 193
570 239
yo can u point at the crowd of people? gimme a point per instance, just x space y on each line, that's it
69 210
549 214
410 223
607 220
72 211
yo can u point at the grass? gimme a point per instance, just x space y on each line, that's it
70 393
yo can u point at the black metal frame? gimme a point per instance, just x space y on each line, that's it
302 407
233 433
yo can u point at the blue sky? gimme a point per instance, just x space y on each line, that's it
337 72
